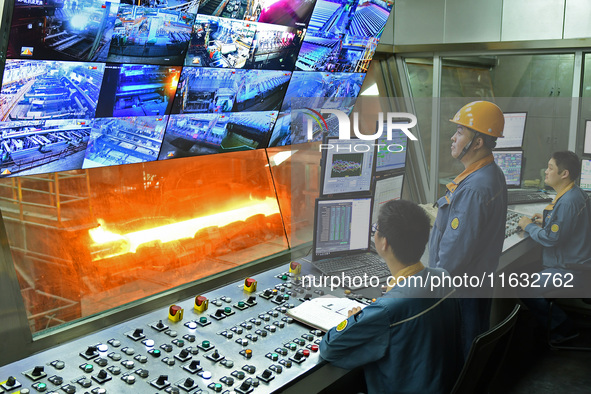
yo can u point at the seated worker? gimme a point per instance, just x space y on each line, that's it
564 231
404 344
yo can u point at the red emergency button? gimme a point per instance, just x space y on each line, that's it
314 348
174 309
250 285
306 352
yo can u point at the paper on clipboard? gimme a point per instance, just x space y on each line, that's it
324 312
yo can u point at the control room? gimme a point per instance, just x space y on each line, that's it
353 196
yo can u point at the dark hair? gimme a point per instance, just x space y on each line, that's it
567 160
488 140
406 227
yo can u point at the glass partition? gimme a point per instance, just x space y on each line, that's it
540 85
86 241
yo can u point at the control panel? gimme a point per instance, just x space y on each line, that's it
511 226
236 339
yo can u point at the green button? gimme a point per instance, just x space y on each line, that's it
286 297
205 344
293 346
203 319
88 368
156 352
227 309
180 342
284 277
241 304
41 386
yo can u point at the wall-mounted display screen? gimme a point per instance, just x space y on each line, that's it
161 79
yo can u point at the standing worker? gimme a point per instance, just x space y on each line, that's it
468 234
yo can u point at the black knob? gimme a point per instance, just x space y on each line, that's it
251 299
159 324
279 298
138 332
267 292
189 382
219 313
194 364
102 374
298 356
245 385
215 354
91 350
37 371
267 373
184 353
162 380
11 381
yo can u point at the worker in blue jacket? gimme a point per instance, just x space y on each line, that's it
407 340
564 231
468 234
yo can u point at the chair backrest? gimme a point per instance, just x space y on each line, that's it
486 356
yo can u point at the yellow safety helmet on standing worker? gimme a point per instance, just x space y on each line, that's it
481 116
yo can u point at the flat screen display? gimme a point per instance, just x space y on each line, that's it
342 226
348 166
387 188
513 130
587 143
511 163
586 174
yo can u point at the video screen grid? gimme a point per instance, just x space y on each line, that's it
95 83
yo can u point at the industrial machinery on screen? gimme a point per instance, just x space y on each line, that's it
92 83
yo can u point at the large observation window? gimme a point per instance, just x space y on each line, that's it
86 241
540 85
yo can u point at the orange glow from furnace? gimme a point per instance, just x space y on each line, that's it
130 242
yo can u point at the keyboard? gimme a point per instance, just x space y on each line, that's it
527 197
369 264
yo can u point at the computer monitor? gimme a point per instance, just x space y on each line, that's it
387 188
511 163
587 146
347 166
341 226
586 174
513 130
391 154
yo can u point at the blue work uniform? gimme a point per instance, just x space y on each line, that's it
566 230
405 344
566 239
468 236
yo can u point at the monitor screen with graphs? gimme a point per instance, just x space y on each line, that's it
347 166
511 163
386 189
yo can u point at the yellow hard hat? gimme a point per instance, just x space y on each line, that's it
482 116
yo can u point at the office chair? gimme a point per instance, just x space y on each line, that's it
552 297
486 357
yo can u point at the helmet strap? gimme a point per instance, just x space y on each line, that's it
467 147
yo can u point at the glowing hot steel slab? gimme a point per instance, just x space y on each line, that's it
129 243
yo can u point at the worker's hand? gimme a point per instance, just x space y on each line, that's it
524 221
353 311
537 218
